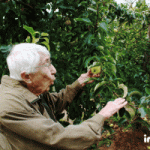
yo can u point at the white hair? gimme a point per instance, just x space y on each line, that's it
24 57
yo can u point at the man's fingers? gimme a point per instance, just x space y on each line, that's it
119 100
123 104
89 72
116 100
120 103
96 75
92 75
90 81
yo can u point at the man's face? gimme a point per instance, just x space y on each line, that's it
45 75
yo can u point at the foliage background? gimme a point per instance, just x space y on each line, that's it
80 32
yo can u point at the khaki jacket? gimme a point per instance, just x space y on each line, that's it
25 124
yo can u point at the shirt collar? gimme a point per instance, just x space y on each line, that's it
12 83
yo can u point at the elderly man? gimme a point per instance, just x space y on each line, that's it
25 123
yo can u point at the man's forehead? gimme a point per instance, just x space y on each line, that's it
44 56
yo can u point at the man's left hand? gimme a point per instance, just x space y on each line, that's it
86 76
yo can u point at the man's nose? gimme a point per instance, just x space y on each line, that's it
53 69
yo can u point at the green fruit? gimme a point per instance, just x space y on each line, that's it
96 69
68 22
111 125
101 47
115 30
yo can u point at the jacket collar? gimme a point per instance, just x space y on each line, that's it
15 84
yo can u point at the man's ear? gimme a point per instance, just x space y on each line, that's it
26 77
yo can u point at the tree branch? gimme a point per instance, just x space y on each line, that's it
19 2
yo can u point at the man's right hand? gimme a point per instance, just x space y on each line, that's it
112 107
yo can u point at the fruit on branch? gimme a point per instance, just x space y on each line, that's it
68 22
95 67
96 70
115 30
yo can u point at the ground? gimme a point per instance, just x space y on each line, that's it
132 139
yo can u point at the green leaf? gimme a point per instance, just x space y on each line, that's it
115 115
107 142
44 34
147 98
5 49
147 90
86 20
103 26
124 88
118 79
107 127
93 2
46 39
59 1
111 59
88 61
28 39
113 67
46 44
92 9
143 100
35 40
103 58
29 29
89 79
98 85
127 114
67 7
142 112
135 93
50 15
83 3
94 58
89 39
121 121
36 34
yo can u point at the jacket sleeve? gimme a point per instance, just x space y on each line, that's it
4 144
38 128
65 96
